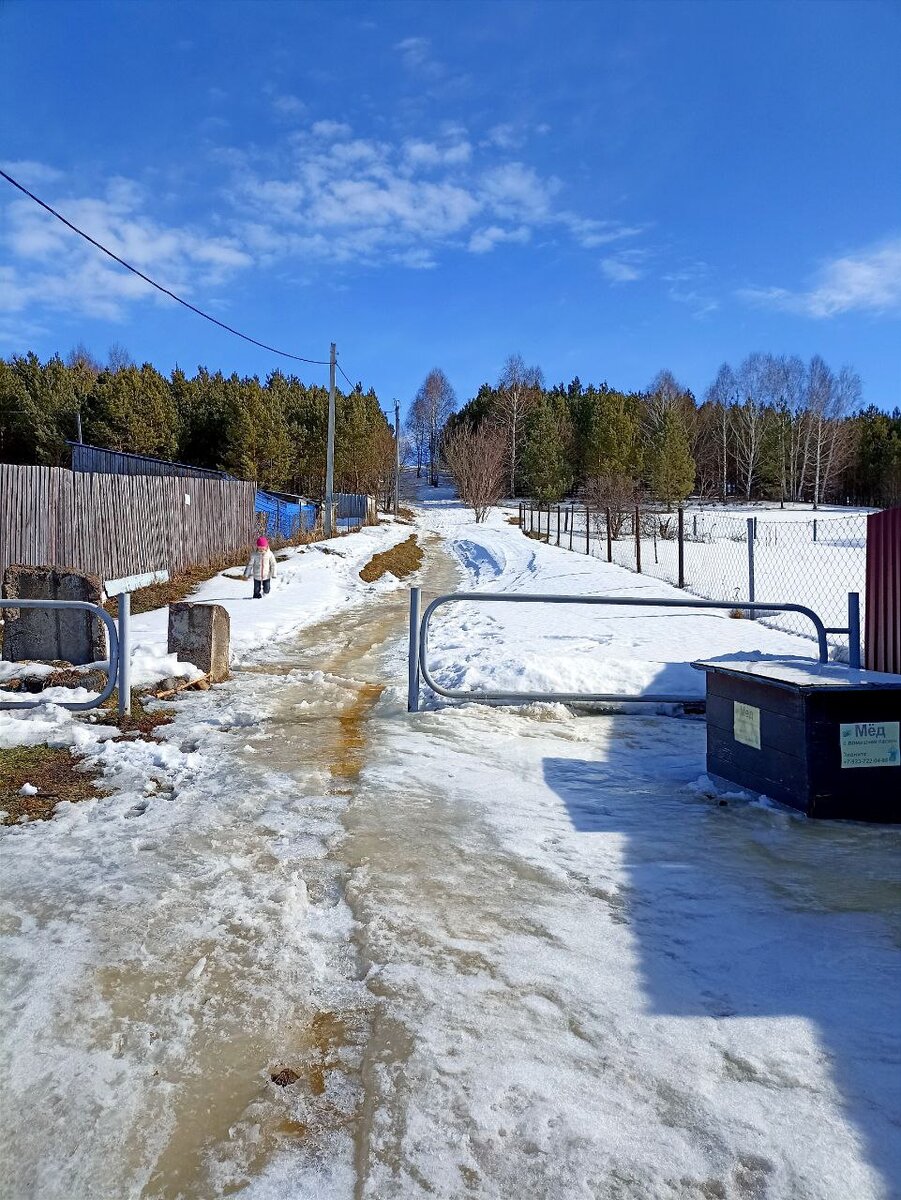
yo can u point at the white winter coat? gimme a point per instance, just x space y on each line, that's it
260 565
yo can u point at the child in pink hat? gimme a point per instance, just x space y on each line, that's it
261 568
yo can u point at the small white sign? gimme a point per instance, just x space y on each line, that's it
187 499
870 744
131 583
746 724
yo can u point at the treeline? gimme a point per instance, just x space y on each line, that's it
771 428
273 432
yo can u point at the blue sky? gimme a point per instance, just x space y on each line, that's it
607 189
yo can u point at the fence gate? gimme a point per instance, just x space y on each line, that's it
883 605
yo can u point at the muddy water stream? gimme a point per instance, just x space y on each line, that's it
330 690
208 944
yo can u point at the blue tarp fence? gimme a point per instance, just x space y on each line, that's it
283 518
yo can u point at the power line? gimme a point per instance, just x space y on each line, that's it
346 376
319 362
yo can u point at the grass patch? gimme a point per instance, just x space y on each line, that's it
405 513
54 772
536 536
138 721
400 561
512 520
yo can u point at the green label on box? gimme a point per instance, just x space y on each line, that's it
870 744
746 724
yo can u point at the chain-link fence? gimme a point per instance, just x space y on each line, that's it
815 562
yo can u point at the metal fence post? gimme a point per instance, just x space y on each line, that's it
751 590
854 630
814 529
694 525
609 537
681 521
558 524
571 519
413 659
637 540
587 530
124 654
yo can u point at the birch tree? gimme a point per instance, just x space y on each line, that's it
723 394
438 401
518 389
418 433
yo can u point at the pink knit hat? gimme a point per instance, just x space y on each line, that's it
262 542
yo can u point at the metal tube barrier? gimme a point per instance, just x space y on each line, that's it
419 668
114 655
413 657
854 630
125 657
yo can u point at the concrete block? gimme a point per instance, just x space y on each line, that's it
201 634
69 635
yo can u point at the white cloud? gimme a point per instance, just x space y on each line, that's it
373 201
416 53
518 192
29 173
331 129
48 266
429 154
591 233
321 196
486 239
690 285
505 135
866 281
289 106
624 267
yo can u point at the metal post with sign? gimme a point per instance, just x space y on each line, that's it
122 588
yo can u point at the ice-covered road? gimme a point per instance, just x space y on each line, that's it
506 953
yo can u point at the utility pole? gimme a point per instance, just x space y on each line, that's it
329 514
396 456
78 422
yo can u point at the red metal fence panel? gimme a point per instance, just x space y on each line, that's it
883 602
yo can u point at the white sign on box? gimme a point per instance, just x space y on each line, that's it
870 744
746 724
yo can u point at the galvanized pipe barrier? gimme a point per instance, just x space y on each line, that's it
117 653
419 644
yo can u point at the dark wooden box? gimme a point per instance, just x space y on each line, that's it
821 738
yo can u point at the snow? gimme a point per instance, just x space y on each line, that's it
813 675
790 567
578 648
543 957
312 582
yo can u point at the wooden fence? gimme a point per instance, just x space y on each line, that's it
118 525
118 462
355 506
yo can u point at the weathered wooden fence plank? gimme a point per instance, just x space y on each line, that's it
117 525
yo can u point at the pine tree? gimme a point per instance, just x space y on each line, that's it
672 467
545 459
